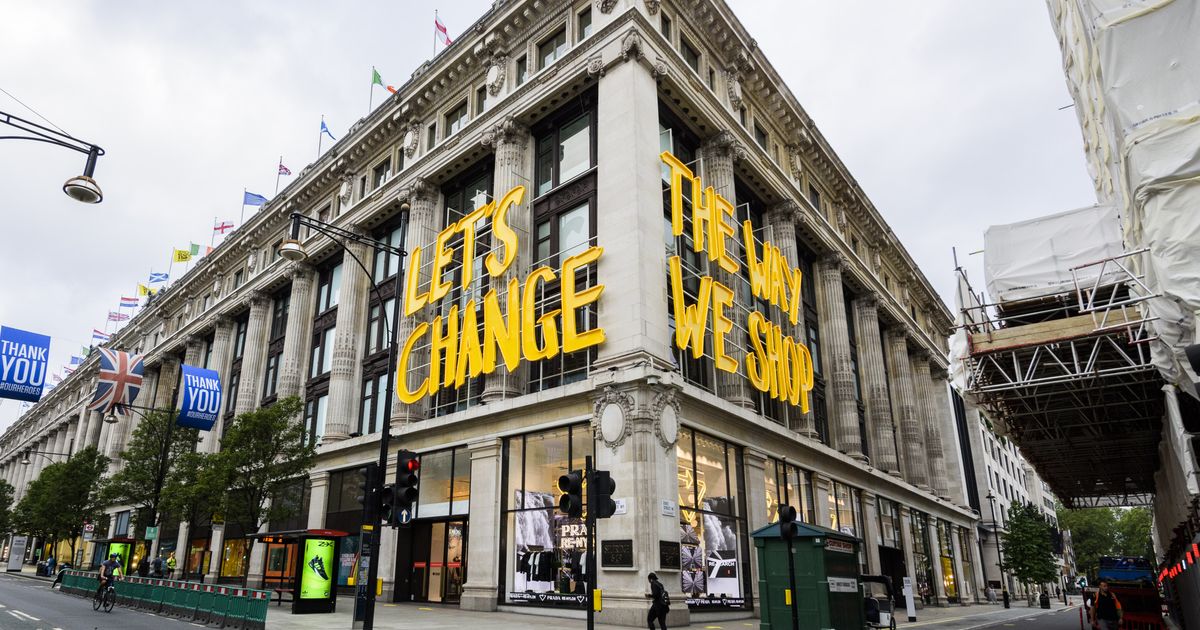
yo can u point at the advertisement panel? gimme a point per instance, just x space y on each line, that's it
201 401
316 581
122 551
16 553
23 358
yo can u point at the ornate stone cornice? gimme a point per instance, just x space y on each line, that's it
631 46
605 6
300 269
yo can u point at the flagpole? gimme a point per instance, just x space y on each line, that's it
213 239
371 97
240 221
277 174
320 135
435 32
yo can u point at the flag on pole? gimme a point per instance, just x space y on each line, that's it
181 255
129 302
223 227
119 381
76 360
441 30
283 170
195 249
68 370
376 80
158 277
117 317
143 290
99 336
208 250
325 130
85 350
251 199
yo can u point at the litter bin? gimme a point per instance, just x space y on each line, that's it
1045 601
828 593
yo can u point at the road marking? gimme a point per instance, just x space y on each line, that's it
22 616
423 608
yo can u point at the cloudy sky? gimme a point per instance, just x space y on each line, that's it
947 113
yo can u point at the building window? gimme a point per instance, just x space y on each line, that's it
522 70
919 523
889 523
456 119
239 338
742 116
431 136
712 540
552 48
945 532
279 314
235 386
664 26
690 54
238 278
480 99
583 25
814 197
712 79
329 288
968 563
760 136
789 485
381 173
373 411
208 350
314 417
445 483
544 547
322 353
271 376
564 151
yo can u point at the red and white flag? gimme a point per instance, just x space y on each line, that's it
283 170
441 30
223 227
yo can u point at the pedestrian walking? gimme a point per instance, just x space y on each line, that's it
171 565
660 603
143 567
156 566
1106 609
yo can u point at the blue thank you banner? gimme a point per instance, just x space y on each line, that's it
23 359
201 398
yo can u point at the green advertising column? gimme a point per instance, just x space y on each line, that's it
122 551
317 577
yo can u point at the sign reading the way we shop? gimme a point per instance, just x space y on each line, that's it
516 326
23 359
775 363
201 398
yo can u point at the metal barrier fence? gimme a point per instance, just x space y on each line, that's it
224 606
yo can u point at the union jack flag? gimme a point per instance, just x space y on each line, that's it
120 380
117 317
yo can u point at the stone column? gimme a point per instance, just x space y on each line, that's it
258 556
782 220
880 429
755 464
929 426
60 443
963 582
182 547
977 563
254 354
904 409
168 382
345 377
480 592
222 356
79 431
193 352
835 348
216 548
907 541
718 155
95 426
822 486
318 498
510 140
947 426
424 222
297 340
870 534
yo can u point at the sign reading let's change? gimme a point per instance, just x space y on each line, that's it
23 359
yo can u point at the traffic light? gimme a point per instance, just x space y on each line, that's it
408 480
368 490
387 505
787 521
571 501
604 486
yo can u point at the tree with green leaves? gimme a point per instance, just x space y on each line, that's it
1093 531
6 507
1028 552
1133 533
153 449
263 452
63 496
194 488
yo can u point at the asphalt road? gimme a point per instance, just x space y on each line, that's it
1016 618
27 604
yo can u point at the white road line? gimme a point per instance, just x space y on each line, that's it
23 616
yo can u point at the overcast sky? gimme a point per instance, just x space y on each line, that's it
946 112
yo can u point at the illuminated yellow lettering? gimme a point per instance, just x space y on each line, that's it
407 396
442 257
690 320
722 298
757 366
443 349
466 225
573 300
758 270
414 301
795 280
500 334
802 371
503 233
470 353
720 231
678 173
531 323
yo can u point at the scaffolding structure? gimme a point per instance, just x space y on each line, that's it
1068 376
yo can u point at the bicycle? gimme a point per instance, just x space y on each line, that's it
105 598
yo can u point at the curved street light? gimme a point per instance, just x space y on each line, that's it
81 187
25 458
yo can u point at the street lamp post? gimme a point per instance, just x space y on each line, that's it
999 556
46 454
81 187
292 249
163 463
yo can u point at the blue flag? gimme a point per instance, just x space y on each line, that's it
325 130
76 360
201 398
158 277
251 199
23 358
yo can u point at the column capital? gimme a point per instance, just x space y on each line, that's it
723 144
421 190
868 300
507 131
833 262
783 212
300 270
256 299
217 322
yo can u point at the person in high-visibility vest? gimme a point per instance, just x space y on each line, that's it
171 565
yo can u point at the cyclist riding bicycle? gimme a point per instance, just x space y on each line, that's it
109 569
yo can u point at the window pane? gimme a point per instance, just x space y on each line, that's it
545 164
773 499
712 484
573 231
434 497
575 148
687 472
335 285
327 347
321 408
460 497
552 49
545 462
585 25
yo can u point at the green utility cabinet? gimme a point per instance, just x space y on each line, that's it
827 579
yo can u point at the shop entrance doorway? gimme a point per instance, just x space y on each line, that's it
431 561
891 564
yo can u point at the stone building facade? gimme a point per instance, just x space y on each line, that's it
577 103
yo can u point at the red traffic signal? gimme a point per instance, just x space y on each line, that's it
408 480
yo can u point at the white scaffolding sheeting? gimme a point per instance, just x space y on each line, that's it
1034 258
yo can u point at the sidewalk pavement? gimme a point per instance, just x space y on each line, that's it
974 615
437 617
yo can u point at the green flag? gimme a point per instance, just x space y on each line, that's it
195 249
375 78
